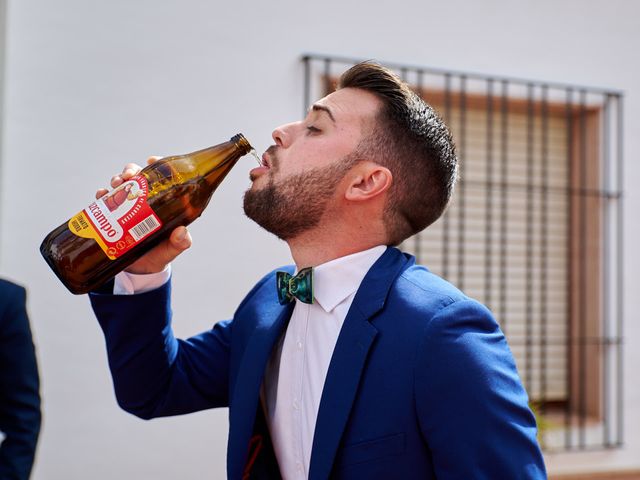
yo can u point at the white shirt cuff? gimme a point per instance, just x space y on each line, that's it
126 283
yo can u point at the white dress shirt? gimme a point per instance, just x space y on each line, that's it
295 374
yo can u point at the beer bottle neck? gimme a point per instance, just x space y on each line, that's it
213 163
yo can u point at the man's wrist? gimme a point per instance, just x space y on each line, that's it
127 283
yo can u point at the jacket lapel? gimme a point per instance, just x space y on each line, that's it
349 359
272 318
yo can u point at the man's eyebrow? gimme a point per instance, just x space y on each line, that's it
316 108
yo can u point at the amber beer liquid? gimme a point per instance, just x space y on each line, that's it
118 228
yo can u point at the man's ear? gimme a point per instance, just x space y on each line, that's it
368 180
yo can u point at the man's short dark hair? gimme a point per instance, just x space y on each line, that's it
413 142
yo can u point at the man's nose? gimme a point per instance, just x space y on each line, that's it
284 134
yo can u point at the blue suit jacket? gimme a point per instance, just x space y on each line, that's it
19 385
421 383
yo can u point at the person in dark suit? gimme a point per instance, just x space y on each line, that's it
355 363
19 386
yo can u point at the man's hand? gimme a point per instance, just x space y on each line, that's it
156 259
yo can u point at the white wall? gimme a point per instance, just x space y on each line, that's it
91 85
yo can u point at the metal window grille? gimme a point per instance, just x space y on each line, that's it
534 232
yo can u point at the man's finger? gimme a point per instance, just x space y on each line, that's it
101 192
163 254
129 170
180 240
116 181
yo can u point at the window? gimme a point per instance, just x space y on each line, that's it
534 231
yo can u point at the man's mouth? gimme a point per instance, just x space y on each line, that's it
265 166
265 161
268 161
269 157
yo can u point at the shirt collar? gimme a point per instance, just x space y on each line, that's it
336 280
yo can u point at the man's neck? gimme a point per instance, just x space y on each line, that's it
316 249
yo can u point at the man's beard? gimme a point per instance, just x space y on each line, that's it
295 205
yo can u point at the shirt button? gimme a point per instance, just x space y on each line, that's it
295 405
299 467
299 345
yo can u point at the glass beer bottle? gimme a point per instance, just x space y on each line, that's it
125 223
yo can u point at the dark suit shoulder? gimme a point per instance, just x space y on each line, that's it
11 296
423 305
9 289
418 297
426 288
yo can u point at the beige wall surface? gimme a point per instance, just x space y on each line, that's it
92 85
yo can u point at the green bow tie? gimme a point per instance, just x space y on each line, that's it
299 286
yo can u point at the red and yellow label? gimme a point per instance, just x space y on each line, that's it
119 220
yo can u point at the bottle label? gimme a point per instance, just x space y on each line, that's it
119 220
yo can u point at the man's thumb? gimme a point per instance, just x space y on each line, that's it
180 239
